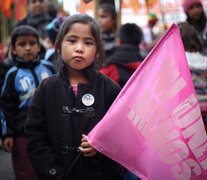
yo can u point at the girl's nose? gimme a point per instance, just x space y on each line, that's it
79 48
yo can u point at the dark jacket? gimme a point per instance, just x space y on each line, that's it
16 93
5 65
39 22
121 65
57 119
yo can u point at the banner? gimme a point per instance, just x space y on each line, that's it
6 7
154 127
20 9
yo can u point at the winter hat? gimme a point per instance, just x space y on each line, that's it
53 27
152 17
188 3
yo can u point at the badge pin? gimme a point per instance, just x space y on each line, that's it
88 99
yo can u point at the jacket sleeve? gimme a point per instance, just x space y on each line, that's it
39 147
111 71
9 105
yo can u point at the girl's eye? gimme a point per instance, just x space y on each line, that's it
90 43
72 41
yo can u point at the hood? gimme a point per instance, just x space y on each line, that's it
124 54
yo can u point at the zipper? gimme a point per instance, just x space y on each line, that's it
35 77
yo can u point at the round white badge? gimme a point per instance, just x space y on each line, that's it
88 99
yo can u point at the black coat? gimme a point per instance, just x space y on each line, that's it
55 125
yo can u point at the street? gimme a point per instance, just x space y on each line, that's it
6 171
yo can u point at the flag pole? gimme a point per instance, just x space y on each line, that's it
162 9
119 9
146 4
4 28
96 7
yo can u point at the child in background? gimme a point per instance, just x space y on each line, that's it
37 16
107 19
68 105
52 31
196 17
127 57
17 91
150 37
197 63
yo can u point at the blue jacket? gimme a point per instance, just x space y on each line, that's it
19 85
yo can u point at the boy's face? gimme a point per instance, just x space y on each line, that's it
26 47
36 7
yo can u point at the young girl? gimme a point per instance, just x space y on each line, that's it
68 105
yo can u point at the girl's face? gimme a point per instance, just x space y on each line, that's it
107 23
26 47
78 48
195 11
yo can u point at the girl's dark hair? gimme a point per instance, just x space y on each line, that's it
199 24
83 19
23 30
190 37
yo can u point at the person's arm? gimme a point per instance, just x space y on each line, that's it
9 105
39 147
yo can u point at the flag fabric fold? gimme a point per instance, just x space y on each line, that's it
154 127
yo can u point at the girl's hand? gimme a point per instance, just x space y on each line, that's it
8 144
86 148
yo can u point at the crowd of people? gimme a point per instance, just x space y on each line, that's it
59 77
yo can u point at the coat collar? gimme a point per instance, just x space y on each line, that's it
90 72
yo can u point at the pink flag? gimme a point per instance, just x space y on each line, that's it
154 127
